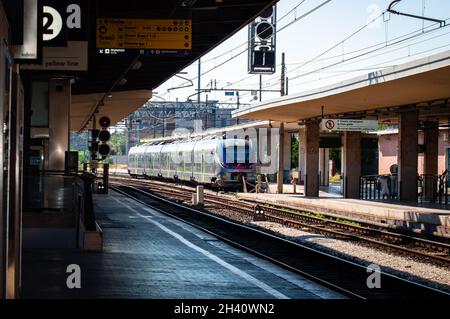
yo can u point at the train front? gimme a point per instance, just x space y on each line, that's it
237 159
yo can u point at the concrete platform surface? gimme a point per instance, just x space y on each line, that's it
432 220
149 255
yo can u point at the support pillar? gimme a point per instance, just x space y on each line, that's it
312 159
430 164
351 163
15 187
59 122
302 153
280 160
407 156
324 167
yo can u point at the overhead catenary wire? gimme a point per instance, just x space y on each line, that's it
384 64
357 56
323 59
246 42
345 61
278 30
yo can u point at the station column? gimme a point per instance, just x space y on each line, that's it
324 169
430 165
407 155
302 153
59 121
351 161
312 139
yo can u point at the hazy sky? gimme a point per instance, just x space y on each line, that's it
308 38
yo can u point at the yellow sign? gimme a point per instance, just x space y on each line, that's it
144 34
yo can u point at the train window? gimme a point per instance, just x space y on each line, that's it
236 154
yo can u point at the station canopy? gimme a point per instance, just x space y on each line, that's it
423 84
210 22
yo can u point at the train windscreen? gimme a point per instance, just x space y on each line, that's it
233 155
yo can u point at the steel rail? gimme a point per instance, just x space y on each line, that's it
396 286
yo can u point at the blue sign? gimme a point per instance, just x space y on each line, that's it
229 93
35 160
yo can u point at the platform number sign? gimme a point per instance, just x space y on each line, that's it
57 18
52 23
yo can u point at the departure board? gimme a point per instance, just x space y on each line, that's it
152 36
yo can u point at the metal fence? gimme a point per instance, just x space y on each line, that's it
432 189
378 187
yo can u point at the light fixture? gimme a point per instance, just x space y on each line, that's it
188 3
137 65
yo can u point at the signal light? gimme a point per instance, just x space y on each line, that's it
104 136
104 122
103 150
262 43
266 14
264 30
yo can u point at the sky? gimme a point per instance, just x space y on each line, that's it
316 53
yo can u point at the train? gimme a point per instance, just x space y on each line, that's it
211 161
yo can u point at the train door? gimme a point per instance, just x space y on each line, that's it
191 162
148 156
180 162
196 161
203 179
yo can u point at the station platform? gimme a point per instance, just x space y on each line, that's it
432 220
149 255
332 191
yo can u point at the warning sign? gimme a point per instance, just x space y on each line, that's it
343 125
144 34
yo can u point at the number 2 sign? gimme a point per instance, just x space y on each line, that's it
57 19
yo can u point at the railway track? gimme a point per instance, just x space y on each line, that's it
348 278
428 250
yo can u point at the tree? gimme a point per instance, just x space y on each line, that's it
295 144
117 143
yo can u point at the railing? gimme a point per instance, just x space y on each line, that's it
378 187
83 202
433 189
100 175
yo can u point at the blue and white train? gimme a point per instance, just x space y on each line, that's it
210 160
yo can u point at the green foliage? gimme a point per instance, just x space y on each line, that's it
117 144
79 143
295 144
109 160
316 215
335 154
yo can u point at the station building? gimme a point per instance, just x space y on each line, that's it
388 149
63 77
414 96
64 65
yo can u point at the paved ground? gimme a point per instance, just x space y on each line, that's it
148 255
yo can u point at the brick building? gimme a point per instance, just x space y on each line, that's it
388 150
